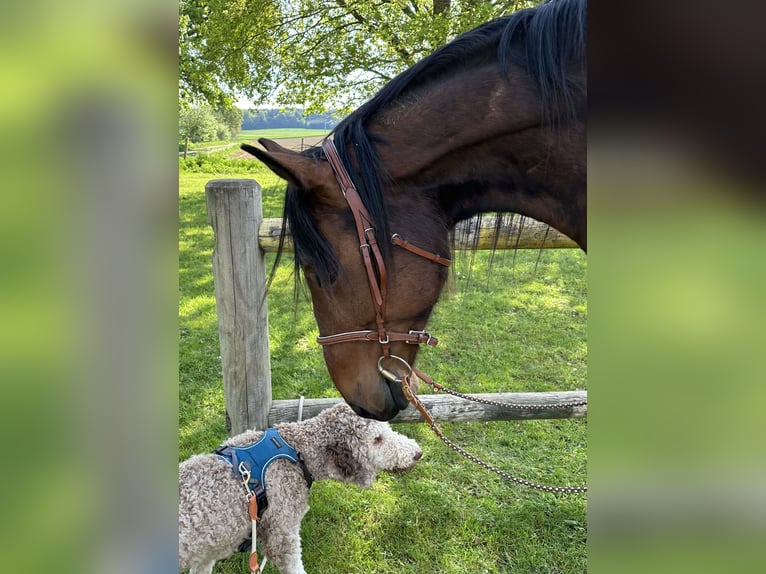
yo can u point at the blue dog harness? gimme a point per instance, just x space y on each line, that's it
250 463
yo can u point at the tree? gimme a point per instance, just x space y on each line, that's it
198 125
223 45
318 53
230 117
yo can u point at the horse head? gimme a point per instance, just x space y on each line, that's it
327 249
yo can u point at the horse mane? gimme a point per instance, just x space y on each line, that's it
546 40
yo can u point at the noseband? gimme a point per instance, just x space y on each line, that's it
375 266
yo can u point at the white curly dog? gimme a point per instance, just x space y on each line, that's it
336 444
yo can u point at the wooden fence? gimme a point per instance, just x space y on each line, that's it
242 236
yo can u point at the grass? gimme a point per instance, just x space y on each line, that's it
277 133
519 328
203 145
253 135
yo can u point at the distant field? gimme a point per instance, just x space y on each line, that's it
295 139
279 133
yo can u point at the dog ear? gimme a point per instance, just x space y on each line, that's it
341 457
347 467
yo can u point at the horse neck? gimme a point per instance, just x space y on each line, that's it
483 150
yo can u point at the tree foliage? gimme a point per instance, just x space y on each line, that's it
230 118
320 54
223 47
202 123
198 125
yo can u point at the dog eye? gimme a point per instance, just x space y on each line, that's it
379 439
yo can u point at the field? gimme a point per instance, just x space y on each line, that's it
515 322
279 133
290 137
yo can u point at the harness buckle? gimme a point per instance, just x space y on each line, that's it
244 472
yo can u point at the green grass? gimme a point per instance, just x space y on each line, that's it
519 328
202 145
277 133
253 135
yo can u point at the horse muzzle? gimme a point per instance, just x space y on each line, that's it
390 400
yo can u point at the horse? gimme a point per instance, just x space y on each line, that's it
493 121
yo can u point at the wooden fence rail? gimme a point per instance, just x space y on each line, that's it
471 234
446 408
242 236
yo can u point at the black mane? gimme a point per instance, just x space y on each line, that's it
547 40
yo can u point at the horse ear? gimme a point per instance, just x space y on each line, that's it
297 169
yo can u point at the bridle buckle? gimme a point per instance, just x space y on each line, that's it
419 335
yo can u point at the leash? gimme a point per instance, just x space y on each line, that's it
409 382
441 388
252 511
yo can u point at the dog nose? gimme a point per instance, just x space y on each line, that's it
418 455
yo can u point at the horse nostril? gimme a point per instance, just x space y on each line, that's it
418 455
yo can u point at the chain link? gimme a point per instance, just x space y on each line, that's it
441 388
502 473
412 397
520 406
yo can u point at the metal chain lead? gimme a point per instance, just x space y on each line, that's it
415 400
438 387
502 473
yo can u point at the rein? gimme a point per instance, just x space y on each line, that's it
376 278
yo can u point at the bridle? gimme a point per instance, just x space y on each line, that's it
375 267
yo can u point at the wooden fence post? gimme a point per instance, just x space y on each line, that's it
235 214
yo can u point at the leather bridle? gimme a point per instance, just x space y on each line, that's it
376 277
375 267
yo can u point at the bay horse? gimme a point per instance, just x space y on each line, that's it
493 121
